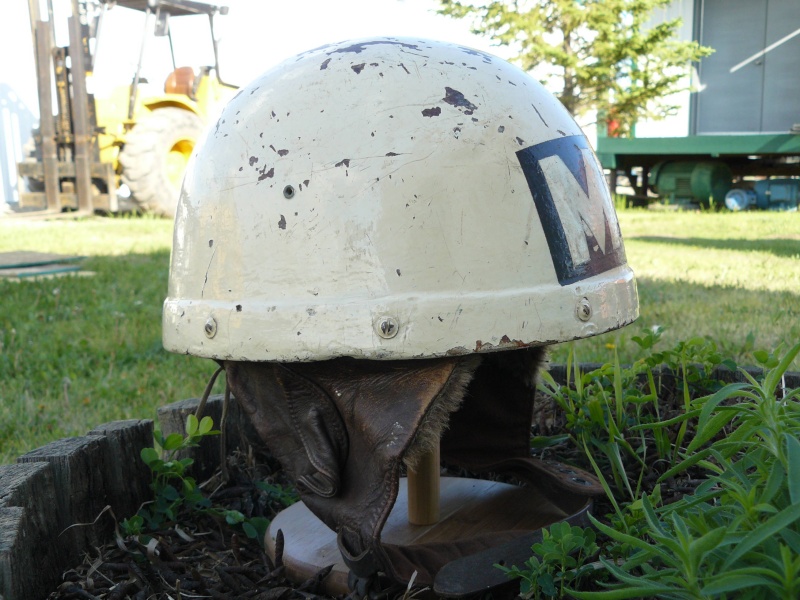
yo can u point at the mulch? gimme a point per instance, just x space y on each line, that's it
199 556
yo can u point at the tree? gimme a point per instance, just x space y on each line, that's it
605 54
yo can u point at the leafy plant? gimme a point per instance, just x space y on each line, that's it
175 491
557 561
738 533
614 413
172 487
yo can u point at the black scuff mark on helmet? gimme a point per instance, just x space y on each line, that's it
305 182
325 64
272 114
360 47
456 132
373 64
254 90
344 161
391 154
253 160
487 58
432 112
512 83
311 51
208 268
216 129
501 129
264 174
540 116
520 141
281 152
457 99
238 308
398 272
358 68
405 69
564 133
282 222
239 93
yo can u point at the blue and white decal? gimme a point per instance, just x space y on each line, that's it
574 207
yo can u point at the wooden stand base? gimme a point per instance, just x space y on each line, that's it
467 507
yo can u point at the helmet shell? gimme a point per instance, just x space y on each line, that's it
393 198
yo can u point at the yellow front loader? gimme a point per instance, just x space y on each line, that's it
127 150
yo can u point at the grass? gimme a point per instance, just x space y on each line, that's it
78 352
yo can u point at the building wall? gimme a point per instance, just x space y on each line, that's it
750 83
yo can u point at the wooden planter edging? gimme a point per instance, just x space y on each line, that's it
55 487
55 501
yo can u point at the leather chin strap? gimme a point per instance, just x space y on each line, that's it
342 429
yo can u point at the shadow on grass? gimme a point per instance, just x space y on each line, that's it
777 246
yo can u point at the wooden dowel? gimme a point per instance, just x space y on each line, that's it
423 490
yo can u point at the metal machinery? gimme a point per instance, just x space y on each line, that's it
84 152
744 115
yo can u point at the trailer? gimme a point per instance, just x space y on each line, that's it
742 123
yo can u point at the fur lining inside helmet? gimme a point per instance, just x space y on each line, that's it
435 422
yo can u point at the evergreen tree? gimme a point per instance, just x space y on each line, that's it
601 55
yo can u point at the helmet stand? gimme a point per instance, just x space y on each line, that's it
428 509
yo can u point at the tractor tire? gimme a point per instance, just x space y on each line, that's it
155 156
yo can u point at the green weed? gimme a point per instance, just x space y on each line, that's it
176 494
558 560
736 533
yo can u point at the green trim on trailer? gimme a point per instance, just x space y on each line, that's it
608 148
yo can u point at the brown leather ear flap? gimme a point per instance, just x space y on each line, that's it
297 421
318 424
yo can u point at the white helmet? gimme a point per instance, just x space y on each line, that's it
389 199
